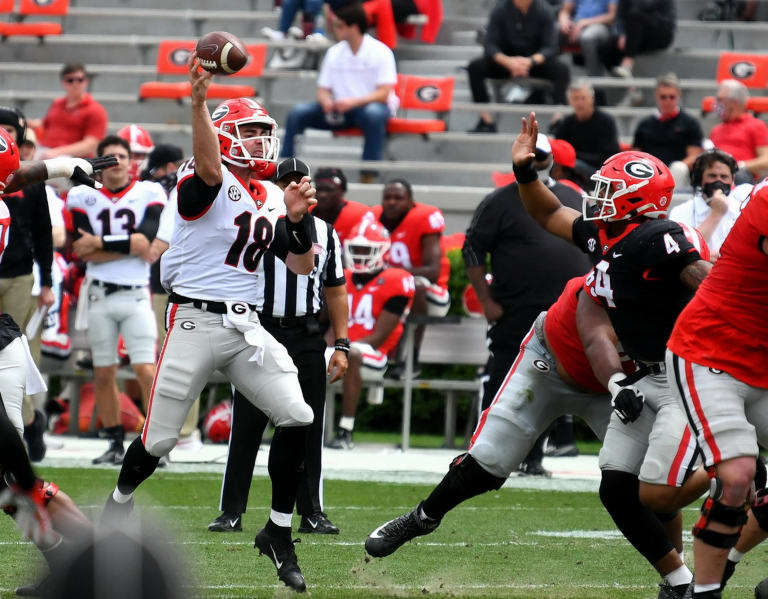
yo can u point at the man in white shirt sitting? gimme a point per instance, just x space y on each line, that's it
355 88
716 202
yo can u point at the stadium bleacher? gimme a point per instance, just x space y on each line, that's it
119 44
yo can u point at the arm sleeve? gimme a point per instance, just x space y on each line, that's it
549 35
196 197
279 245
481 235
494 32
149 224
42 241
333 276
396 304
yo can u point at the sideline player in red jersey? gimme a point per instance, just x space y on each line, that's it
645 272
332 205
379 300
718 360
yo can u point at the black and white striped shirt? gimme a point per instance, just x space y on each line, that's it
286 294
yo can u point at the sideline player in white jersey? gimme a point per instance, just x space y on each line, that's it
228 215
114 226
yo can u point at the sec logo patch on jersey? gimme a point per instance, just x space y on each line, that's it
234 193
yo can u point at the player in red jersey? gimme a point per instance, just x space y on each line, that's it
333 207
416 232
717 358
379 300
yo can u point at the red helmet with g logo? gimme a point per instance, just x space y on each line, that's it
9 158
141 144
229 118
628 185
366 247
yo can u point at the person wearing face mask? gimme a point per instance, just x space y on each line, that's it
529 268
716 202
740 134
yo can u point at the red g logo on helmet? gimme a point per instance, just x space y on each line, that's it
9 157
629 185
366 248
229 118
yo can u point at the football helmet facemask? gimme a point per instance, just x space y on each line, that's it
628 185
366 249
9 158
229 118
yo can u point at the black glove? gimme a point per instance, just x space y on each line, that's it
626 400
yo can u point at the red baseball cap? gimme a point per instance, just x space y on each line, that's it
563 153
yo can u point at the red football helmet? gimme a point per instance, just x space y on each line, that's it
9 158
630 184
141 145
697 240
366 248
218 422
228 118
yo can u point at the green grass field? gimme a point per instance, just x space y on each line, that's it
504 544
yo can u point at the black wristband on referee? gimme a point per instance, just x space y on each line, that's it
341 344
525 174
116 243
299 235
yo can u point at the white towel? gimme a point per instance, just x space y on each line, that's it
81 314
33 326
239 316
34 383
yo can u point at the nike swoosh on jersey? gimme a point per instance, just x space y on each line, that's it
271 209
278 563
615 255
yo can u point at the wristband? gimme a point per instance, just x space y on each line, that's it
614 386
116 243
525 174
299 237
58 167
341 344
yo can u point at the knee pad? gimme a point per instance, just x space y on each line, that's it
469 472
760 508
161 448
716 511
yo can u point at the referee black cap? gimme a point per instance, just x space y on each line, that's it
291 166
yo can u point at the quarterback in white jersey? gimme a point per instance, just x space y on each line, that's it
114 226
228 215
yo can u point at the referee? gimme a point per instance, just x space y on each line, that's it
288 311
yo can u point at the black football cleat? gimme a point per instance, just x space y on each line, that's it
761 590
319 524
227 522
388 537
33 435
114 513
342 440
113 455
534 468
681 591
283 554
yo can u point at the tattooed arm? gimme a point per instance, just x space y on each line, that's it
693 274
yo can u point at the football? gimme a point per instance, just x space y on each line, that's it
221 53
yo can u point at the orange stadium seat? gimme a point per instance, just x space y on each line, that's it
417 93
172 58
750 69
27 8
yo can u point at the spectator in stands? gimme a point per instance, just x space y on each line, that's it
670 134
333 207
587 23
716 202
521 41
740 134
592 132
644 26
564 166
310 10
416 232
529 268
76 123
355 88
